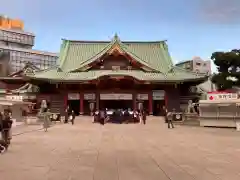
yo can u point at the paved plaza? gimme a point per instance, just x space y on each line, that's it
89 151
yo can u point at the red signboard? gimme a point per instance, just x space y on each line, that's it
221 95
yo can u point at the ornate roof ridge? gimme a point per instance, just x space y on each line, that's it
107 42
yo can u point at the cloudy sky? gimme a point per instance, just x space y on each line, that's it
192 27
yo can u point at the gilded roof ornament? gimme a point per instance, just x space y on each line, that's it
116 38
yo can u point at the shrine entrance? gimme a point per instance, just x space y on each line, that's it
74 105
116 101
116 104
73 102
158 102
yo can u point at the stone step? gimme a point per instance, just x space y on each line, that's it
191 122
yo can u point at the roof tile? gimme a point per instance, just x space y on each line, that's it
79 54
75 55
92 75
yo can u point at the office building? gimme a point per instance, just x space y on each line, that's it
16 48
197 65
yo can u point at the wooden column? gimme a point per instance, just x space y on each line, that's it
81 103
97 100
150 103
166 99
65 101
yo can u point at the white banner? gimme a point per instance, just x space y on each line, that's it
222 96
158 95
14 98
142 96
116 96
29 97
73 96
90 96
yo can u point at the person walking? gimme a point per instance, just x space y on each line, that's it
46 120
165 111
6 125
73 117
1 124
139 116
66 115
3 144
136 116
102 116
169 119
144 117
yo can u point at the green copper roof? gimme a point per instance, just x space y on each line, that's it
174 75
75 55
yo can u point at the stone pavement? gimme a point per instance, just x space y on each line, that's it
22 129
123 152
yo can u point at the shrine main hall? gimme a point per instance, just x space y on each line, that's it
115 74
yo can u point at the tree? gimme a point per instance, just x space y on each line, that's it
228 65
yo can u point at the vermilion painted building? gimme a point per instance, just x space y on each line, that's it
114 74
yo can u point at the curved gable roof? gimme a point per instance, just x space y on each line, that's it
77 54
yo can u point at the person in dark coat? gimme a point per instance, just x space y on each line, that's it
119 116
3 144
102 116
1 123
6 124
165 111
144 117
73 117
66 114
